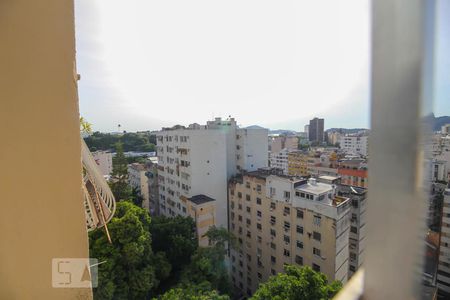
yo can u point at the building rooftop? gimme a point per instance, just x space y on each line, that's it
314 187
200 199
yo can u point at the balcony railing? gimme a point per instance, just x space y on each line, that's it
99 201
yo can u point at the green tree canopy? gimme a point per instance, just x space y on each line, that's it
143 141
297 283
192 292
119 176
131 269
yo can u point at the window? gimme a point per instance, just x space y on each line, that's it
287 211
299 229
287 225
239 195
258 188
249 222
352 256
353 229
259 239
258 251
232 204
273 272
317 220
273 220
273 232
316 251
273 259
299 260
249 258
249 234
316 267
247 197
232 215
258 201
299 214
258 226
247 184
287 253
240 206
287 239
240 218
258 213
299 245
272 191
259 276
317 236
248 209
272 205
352 268
287 194
273 246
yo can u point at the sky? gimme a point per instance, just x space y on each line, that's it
148 64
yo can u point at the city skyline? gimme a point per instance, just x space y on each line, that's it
277 68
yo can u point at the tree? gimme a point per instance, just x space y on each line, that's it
131 269
85 126
136 197
192 292
119 181
207 265
297 283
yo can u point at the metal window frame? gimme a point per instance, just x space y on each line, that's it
402 79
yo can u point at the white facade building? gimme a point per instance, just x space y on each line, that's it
443 276
200 159
104 161
279 160
356 145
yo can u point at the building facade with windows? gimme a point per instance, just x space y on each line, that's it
279 160
199 160
356 145
278 143
104 161
282 220
316 130
443 274
298 163
137 178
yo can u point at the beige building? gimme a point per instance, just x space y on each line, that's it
138 180
278 143
443 274
286 220
298 163
202 209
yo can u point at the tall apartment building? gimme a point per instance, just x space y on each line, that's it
199 160
279 160
443 274
286 220
137 179
278 143
307 131
316 133
153 186
357 237
356 145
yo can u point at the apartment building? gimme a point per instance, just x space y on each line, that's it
137 178
202 209
353 172
279 160
280 142
334 137
298 163
199 160
104 161
356 145
357 236
316 133
443 274
282 220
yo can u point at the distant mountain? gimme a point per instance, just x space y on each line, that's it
283 132
439 122
346 130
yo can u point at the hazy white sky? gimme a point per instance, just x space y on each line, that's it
147 64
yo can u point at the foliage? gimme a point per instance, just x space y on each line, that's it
136 197
131 269
207 265
144 142
119 176
85 126
192 292
176 237
297 283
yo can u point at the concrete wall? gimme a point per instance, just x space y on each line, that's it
40 153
